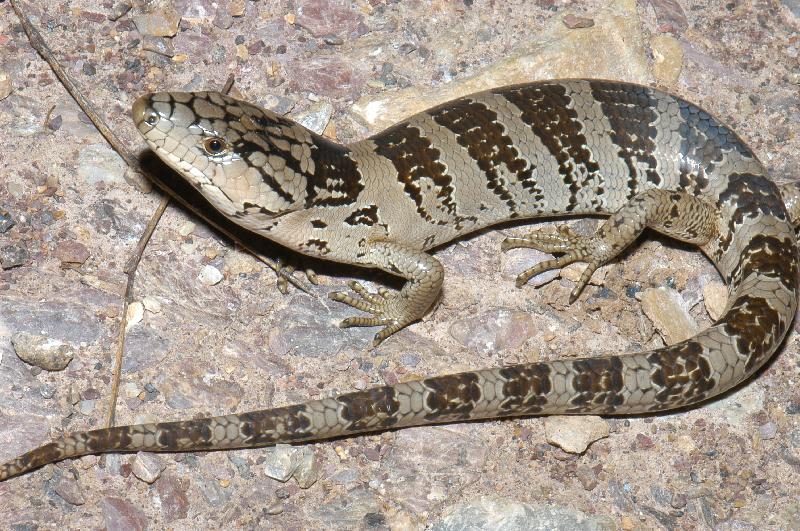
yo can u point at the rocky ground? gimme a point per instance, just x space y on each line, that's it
211 334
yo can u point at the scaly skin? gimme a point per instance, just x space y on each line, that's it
638 155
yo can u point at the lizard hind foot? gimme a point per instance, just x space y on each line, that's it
572 247
380 304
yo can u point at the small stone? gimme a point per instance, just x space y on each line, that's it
160 22
236 8
587 477
678 501
98 163
333 40
186 229
13 255
275 508
147 467
135 314
667 58
327 17
223 19
315 117
152 305
119 10
768 431
665 309
6 221
715 296
71 253
494 330
210 276
307 472
643 442
69 490
122 515
5 85
40 351
575 22
86 407
627 523
159 45
172 494
574 434
54 124
282 461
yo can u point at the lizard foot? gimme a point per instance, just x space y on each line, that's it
382 305
573 248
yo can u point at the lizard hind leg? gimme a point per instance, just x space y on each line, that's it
677 214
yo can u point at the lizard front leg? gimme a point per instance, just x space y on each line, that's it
395 310
676 214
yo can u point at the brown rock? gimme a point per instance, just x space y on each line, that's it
172 494
71 253
328 75
575 22
121 515
327 17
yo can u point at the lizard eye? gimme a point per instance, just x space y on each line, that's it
214 145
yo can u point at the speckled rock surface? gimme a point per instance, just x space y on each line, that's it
70 215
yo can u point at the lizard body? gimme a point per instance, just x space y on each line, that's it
571 147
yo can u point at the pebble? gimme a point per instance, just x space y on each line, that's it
575 22
86 407
13 255
122 515
172 492
237 8
494 330
768 431
71 253
159 45
210 275
147 467
574 434
327 17
160 22
307 472
151 304
98 163
186 229
283 460
69 490
5 85
135 314
40 351
665 309
315 117
6 221
511 515
119 10
667 59
715 296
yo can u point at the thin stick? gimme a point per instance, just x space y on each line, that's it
38 43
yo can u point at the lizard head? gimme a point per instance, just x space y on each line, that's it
249 163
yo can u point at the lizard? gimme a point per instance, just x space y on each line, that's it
640 156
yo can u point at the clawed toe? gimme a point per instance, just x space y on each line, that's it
378 304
